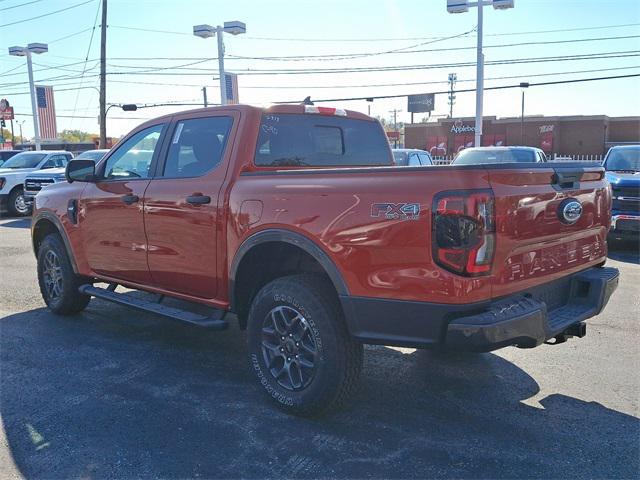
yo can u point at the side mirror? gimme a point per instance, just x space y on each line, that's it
80 171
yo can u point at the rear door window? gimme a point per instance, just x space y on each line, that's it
197 146
320 141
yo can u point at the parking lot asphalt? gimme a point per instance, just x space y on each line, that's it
112 393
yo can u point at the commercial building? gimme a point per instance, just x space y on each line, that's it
570 135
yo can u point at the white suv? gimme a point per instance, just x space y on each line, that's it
14 171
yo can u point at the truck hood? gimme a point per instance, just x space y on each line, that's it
619 179
6 171
49 172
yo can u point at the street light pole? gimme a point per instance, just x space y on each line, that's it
20 125
461 6
223 78
523 85
26 52
205 31
479 79
34 102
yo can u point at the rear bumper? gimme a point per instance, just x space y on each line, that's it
526 319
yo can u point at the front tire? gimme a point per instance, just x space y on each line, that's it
58 282
300 348
17 205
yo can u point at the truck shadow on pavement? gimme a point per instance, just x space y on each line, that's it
138 397
625 251
16 223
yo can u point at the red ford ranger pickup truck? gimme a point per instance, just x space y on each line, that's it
294 219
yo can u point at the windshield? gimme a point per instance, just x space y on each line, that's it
400 158
94 155
24 160
623 159
471 156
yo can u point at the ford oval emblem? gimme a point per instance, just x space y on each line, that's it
570 211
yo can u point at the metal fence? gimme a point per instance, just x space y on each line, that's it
556 157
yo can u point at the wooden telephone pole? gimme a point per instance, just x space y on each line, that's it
103 77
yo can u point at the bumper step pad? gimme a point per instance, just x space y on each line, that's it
525 321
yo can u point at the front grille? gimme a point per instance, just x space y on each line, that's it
35 185
626 199
625 225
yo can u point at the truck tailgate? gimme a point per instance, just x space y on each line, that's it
536 243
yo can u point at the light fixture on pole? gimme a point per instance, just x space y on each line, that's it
36 48
523 86
462 6
369 102
205 31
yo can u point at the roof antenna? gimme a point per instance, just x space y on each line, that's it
307 101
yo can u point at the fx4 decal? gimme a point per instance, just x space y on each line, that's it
396 211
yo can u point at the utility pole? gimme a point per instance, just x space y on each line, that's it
453 78
103 77
204 96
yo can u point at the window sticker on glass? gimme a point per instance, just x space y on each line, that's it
176 136
270 129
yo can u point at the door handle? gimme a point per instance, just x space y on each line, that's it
198 199
129 199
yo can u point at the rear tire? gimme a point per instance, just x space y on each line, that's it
16 204
299 346
58 282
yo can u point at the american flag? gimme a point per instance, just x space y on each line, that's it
46 112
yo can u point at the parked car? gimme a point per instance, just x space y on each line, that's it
296 219
38 180
411 157
7 154
14 171
481 155
622 165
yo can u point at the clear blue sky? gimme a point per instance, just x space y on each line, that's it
339 26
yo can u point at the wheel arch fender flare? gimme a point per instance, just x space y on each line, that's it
293 238
41 217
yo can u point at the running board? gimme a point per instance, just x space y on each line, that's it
214 321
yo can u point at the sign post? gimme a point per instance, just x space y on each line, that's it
420 103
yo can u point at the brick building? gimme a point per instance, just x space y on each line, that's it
570 135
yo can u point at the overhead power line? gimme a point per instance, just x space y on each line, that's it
314 87
45 14
401 39
381 39
349 56
86 58
71 35
501 87
208 72
20 5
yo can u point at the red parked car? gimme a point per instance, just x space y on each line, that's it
295 219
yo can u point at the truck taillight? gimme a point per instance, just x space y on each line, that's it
463 239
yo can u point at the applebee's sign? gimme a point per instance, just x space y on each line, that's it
458 127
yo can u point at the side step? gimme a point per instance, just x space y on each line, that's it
214 321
